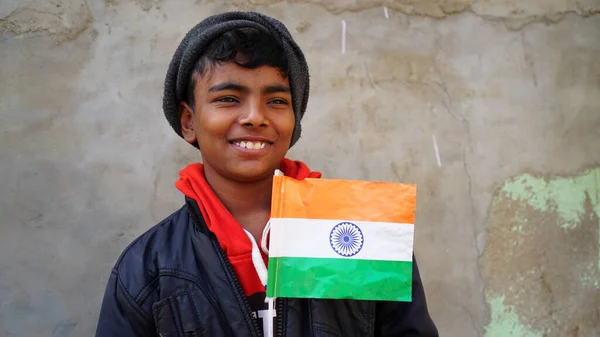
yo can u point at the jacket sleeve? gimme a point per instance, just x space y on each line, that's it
120 316
406 318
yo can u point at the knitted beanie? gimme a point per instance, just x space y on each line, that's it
198 38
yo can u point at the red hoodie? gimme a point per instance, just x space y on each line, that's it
229 232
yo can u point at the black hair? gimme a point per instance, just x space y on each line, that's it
247 47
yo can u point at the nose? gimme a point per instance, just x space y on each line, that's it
254 115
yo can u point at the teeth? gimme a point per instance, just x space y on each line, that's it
251 145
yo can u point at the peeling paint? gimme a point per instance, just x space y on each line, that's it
564 195
541 262
505 321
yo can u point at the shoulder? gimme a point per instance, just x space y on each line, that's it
142 261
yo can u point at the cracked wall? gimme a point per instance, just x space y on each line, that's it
510 90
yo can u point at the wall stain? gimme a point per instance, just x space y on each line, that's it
145 5
515 15
541 260
64 20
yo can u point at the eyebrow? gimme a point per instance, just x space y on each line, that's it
271 89
229 86
276 89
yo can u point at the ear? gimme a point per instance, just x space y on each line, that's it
186 120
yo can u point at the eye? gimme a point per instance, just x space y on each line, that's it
227 99
278 101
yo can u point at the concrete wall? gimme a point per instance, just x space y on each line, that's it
508 219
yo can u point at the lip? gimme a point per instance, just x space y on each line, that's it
251 139
247 151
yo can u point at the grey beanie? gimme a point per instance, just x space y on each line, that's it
198 38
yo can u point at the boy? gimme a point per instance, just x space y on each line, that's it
236 88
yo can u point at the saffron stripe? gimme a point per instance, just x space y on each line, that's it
352 200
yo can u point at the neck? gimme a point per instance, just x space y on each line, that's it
249 203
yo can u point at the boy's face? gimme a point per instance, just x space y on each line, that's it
242 119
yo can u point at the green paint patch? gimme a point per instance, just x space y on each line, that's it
504 321
541 261
564 195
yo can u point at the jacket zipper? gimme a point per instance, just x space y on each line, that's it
280 316
237 287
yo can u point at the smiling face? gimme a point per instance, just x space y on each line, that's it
242 120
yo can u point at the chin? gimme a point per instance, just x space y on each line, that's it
250 178
249 175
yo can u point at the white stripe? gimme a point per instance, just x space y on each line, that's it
310 238
385 11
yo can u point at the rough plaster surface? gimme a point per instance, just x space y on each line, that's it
543 233
87 161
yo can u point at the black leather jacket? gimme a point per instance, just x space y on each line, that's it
175 281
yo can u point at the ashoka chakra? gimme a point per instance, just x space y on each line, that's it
346 239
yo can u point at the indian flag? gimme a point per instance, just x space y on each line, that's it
341 239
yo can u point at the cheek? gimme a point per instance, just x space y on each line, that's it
285 124
212 124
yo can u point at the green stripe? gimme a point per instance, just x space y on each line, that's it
297 277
